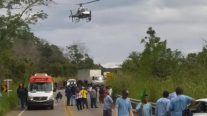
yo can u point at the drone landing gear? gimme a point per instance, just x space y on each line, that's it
89 17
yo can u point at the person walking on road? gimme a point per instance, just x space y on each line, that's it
162 105
179 104
107 107
144 108
123 105
22 95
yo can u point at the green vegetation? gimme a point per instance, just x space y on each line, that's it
22 53
158 68
7 102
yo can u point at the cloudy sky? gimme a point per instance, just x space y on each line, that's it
118 26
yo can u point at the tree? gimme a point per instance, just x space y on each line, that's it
156 59
77 55
19 14
133 62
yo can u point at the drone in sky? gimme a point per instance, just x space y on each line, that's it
82 13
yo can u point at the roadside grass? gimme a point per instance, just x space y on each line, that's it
192 85
7 102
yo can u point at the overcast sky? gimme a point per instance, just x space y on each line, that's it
118 26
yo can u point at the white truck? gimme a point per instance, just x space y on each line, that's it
92 76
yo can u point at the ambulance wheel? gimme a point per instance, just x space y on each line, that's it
28 107
52 107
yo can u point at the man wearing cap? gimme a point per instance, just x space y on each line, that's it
123 105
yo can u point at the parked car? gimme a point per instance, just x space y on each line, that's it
199 107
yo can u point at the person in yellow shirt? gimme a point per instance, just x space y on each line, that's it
84 94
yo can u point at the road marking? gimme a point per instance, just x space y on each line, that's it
67 110
20 114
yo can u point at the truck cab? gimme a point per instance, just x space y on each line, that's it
40 91
98 80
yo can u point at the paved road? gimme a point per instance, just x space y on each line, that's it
60 109
87 112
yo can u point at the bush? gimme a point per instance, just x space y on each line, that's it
7 102
192 86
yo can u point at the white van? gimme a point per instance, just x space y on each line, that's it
40 91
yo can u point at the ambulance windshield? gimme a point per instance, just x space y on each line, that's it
40 86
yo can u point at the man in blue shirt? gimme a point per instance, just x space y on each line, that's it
107 107
123 105
179 104
162 105
144 108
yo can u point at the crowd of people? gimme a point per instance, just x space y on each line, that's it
170 104
174 104
78 95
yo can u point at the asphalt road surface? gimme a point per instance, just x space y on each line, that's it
60 109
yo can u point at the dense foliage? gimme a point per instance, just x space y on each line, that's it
159 68
22 53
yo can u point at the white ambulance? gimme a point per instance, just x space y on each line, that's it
40 91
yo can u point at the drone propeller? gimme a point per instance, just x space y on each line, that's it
80 4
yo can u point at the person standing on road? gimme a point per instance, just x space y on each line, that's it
21 93
101 94
162 105
72 98
78 98
109 89
123 105
144 108
68 94
84 94
179 104
93 97
107 107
